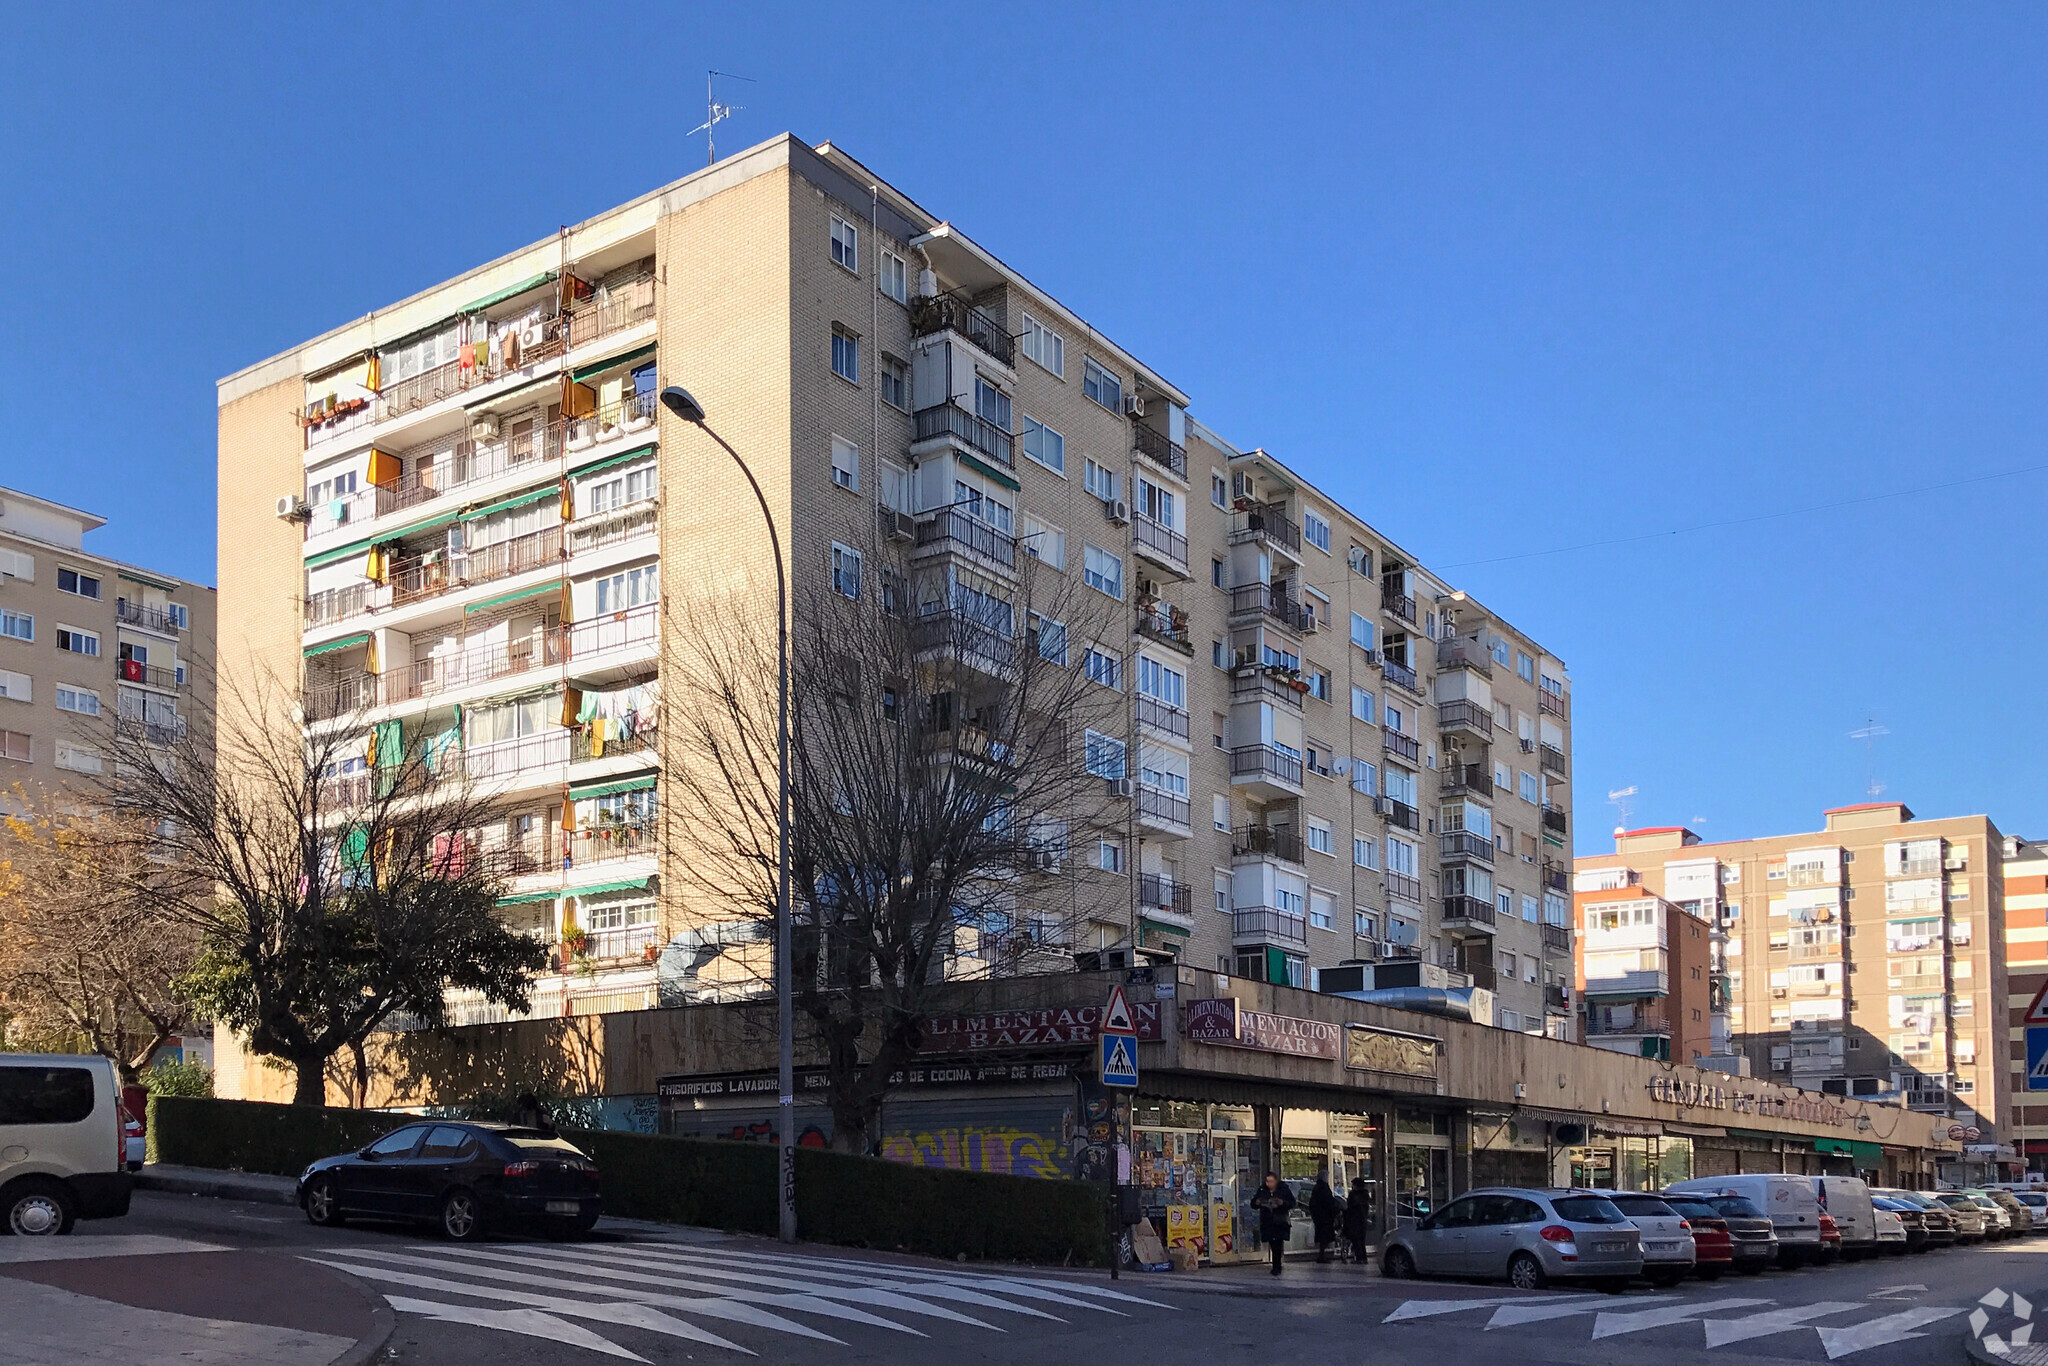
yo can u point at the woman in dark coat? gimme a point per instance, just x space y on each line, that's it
1274 1202
1323 1210
1354 1222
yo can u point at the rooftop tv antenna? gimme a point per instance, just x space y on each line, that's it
1869 736
1619 797
715 113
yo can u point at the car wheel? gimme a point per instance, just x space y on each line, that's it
39 1208
1398 1265
323 1202
461 1220
1526 1273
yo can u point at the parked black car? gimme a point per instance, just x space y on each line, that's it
1752 1236
460 1176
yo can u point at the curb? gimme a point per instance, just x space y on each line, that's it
225 1185
383 1323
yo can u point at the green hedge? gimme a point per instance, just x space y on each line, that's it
712 1183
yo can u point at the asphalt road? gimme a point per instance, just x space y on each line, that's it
195 1279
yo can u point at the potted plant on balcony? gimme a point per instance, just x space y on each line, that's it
575 946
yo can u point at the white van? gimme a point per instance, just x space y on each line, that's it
1789 1200
62 1150
1846 1200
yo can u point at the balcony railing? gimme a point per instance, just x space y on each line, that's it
328 698
130 613
1468 910
1555 878
1404 886
974 639
1268 522
1402 816
1554 820
945 313
1459 714
337 604
1397 602
1165 894
1602 1021
1401 676
951 528
583 744
1550 703
1556 939
1264 601
1462 652
949 419
1166 624
430 575
1267 841
1266 762
1160 805
1160 540
1402 746
1551 760
1463 844
632 942
1267 924
1258 685
1155 447
150 675
504 758
442 673
1163 716
1557 998
607 529
1466 780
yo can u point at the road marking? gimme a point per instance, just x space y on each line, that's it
821 1266
530 1322
1884 1332
1423 1309
911 1278
77 1246
1513 1315
1614 1324
938 1289
1721 1332
1895 1292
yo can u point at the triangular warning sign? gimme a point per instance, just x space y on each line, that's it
1116 1016
2037 1013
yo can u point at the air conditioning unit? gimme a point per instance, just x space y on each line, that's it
1528 746
1241 486
292 508
1117 510
1371 656
1383 805
484 427
1043 861
1133 406
1119 788
899 526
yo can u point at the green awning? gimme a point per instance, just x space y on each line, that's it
514 392
599 367
359 638
613 461
147 581
989 471
527 898
517 500
532 282
639 783
1870 1154
626 885
504 598
1145 923
340 553
326 557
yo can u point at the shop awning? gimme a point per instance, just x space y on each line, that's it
517 500
612 461
612 363
989 471
503 598
510 291
359 638
639 782
625 885
527 898
1223 1090
1868 1153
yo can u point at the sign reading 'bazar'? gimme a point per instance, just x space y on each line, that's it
1046 1027
1223 1021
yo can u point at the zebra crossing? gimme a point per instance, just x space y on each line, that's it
599 1297
1724 1320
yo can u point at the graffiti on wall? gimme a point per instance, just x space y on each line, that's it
980 1148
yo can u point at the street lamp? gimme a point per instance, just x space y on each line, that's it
679 401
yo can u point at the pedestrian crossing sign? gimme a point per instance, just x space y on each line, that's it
2037 1057
1120 1061
2037 1013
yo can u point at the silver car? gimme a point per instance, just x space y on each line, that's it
1669 1253
1526 1236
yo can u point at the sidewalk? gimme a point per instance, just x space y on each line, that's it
1255 1280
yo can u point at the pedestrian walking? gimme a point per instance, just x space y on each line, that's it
1324 1209
1274 1202
1354 1223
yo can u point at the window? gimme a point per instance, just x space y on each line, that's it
1365 851
1401 856
1219 816
1530 907
77 758
1532 788
1364 778
326 490
16 745
17 625
629 588
1219 490
845 464
1360 560
45 1095
1155 503
1319 684
1044 445
1218 571
1105 755
991 404
845 355
845 571
1361 703
624 489
1315 531
1504 908
895 383
1500 650
1162 681
1044 543
845 244
1361 632
1042 345
1105 388
17 687
985 507
17 564
1321 839
1393 715
1319 912
1365 924
83 585
1219 654
1052 638
84 701
1103 667
78 642
1109 856
1103 572
1525 667
895 276
1100 481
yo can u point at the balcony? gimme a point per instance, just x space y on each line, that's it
1267 770
1459 715
1556 939
1468 913
1401 816
1267 522
1166 624
1624 1021
1466 780
1463 846
441 571
1280 842
1163 717
1642 982
1393 600
1158 893
1481 970
631 942
1556 878
1266 925
1267 683
978 434
150 675
978 643
1155 447
1401 676
945 313
1549 703
1163 811
1404 887
148 618
1160 544
326 699
953 530
602 531
1551 760
1262 603
1557 999
337 604
1402 746
1554 821
1462 652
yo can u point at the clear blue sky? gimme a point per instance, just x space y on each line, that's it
1506 278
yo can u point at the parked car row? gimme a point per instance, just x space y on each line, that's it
1705 1227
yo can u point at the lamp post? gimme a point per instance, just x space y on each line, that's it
678 401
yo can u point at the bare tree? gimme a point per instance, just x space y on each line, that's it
81 956
948 747
329 871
